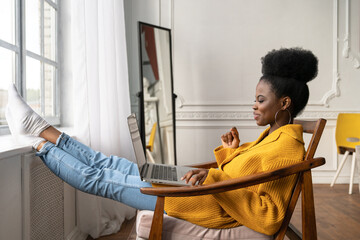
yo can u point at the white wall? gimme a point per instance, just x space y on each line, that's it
217 46
217 65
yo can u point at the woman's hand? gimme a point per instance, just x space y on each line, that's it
195 176
231 139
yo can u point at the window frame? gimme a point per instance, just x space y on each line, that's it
21 54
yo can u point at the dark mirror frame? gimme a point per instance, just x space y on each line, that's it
140 94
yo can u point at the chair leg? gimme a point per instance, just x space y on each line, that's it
358 169
352 174
292 233
150 156
339 168
357 159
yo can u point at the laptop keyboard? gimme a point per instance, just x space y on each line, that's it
164 172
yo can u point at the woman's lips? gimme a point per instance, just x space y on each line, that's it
256 116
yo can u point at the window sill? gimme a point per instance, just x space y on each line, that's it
9 147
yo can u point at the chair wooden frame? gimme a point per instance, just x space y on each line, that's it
303 184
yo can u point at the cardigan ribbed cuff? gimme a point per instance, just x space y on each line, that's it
222 153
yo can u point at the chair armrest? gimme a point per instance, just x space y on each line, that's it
235 183
206 165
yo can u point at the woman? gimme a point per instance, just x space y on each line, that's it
280 95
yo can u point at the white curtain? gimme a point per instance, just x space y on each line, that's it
101 100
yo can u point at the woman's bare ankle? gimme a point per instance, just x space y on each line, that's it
51 134
40 145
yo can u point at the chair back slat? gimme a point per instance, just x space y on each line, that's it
315 128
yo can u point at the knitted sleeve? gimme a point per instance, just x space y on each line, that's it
222 153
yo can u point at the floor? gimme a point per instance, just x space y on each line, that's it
127 232
337 212
337 215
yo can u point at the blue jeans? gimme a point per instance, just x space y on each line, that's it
93 172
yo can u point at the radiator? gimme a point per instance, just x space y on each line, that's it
43 201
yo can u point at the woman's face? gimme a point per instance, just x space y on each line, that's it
266 104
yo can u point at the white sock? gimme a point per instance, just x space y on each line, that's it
23 120
22 139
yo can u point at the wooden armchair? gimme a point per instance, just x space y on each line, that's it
303 184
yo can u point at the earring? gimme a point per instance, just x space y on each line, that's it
277 114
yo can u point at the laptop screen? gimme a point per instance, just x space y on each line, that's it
136 141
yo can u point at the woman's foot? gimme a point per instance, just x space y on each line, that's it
25 124
26 121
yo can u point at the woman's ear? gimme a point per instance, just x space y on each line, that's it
286 103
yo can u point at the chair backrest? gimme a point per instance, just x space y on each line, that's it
304 184
347 125
316 129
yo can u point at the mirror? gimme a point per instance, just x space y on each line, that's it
157 115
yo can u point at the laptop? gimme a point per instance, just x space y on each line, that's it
154 172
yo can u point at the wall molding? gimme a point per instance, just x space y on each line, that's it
347 53
328 179
195 115
335 88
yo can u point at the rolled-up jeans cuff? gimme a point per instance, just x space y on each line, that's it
45 149
62 140
48 145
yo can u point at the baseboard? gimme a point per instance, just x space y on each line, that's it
76 234
340 180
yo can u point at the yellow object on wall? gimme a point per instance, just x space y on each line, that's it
150 145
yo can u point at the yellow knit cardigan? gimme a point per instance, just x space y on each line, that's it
261 207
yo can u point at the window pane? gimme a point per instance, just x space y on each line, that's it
49 81
7 70
49 31
7 21
33 84
33 25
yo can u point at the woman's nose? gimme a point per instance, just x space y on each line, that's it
254 107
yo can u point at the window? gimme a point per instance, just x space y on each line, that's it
29 55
